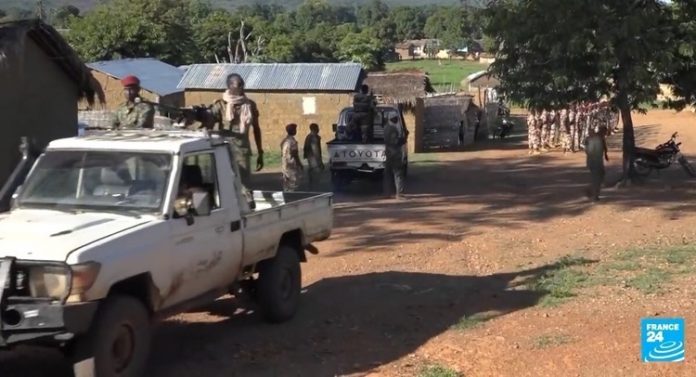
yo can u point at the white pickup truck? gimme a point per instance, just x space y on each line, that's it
113 230
350 159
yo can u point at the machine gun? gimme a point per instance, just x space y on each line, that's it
29 155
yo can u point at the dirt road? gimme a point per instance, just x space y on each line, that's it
452 277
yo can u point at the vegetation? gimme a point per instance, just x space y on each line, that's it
593 49
438 371
472 321
549 341
443 73
200 31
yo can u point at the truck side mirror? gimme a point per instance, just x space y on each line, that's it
334 127
195 206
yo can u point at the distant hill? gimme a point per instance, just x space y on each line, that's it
230 4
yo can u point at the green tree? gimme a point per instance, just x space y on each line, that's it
372 13
134 28
362 48
451 25
683 77
61 16
211 35
313 12
281 49
553 52
409 23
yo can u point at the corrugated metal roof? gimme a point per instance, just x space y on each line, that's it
290 77
155 76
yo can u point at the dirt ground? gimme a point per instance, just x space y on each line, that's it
403 285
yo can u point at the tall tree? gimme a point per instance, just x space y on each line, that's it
451 25
61 16
362 48
143 28
683 77
409 22
553 52
372 13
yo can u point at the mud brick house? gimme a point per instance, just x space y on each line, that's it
43 80
158 81
300 93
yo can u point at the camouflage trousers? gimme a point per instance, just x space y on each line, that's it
394 176
533 138
545 135
566 140
241 165
574 137
553 137
291 179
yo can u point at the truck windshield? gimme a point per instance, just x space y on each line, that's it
98 181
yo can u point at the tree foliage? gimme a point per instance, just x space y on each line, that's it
553 52
189 31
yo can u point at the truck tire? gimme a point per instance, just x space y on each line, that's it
279 285
119 339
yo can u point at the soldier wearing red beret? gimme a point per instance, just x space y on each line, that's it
134 113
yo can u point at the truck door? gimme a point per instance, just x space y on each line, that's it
206 254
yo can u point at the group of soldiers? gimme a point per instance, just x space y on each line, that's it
568 128
235 115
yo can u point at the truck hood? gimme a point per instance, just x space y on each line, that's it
53 235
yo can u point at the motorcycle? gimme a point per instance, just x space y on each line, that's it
504 128
662 157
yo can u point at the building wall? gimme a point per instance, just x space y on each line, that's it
278 109
38 100
113 92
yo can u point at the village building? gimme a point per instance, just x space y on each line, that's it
406 90
43 81
158 81
417 49
301 93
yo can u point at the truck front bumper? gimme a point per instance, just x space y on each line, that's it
34 320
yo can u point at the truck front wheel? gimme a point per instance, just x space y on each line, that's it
119 339
279 285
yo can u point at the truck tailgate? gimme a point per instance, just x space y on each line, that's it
357 153
278 213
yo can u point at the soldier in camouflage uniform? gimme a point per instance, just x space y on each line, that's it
134 113
291 166
312 153
395 168
235 114
545 130
533 132
565 130
573 127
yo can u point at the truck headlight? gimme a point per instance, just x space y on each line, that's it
49 281
60 281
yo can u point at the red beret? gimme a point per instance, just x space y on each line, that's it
130 80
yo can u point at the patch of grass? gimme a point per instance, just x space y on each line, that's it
650 281
561 282
680 255
443 74
548 341
271 159
626 265
472 321
438 371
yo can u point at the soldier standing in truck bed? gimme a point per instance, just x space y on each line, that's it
135 112
363 113
236 114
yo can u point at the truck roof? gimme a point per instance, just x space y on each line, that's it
142 140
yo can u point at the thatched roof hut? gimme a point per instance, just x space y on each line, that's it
13 36
402 88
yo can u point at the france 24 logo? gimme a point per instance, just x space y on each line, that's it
662 339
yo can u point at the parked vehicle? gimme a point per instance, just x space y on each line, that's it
350 159
114 230
662 157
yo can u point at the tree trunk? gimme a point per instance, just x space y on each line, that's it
629 138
